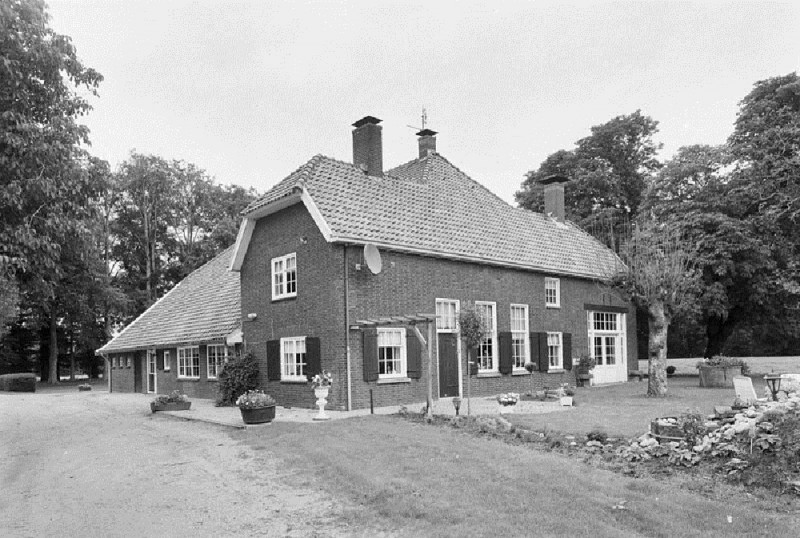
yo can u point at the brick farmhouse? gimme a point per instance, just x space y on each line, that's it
332 266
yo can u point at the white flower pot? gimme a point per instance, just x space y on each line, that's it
507 409
322 399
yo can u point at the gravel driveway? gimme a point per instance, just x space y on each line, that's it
97 464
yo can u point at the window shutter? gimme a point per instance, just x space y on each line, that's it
533 343
413 355
566 349
313 357
159 360
544 358
506 364
370 352
274 360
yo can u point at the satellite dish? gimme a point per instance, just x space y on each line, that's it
373 258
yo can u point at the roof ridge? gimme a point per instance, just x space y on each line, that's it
470 178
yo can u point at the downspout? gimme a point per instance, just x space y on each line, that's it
347 331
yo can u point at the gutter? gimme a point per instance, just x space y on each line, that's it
347 331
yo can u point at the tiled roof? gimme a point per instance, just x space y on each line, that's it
429 206
204 306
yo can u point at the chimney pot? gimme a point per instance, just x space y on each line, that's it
554 196
368 145
427 142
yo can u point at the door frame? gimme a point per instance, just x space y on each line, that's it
457 332
150 359
619 373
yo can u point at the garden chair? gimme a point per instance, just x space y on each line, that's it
743 386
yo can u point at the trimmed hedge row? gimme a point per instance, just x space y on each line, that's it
18 382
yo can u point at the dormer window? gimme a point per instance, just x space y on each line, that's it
284 276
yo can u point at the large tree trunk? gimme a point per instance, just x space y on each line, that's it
658 321
53 359
718 330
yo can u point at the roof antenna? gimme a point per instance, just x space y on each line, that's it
424 121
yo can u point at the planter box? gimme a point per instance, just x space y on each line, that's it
259 415
171 406
718 376
23 382
666 429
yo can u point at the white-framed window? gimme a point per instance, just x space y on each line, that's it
128 361
284 276
167 360
216 357
519 336
552 292
189 362
555 351
447 315
392 353
606 337
487 350
293 358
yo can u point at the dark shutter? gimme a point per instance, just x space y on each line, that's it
473 367
566 342
274 360
544 358
159 360
533 343
506 362
370 351
313 359
413 355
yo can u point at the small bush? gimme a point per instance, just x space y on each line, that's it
24 382
237 377
727 362
670 370
597 435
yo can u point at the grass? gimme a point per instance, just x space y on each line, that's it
409 478
625 410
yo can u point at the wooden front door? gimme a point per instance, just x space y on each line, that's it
448 365
151 371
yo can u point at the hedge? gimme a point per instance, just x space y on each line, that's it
18 382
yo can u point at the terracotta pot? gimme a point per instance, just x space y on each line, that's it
259 415
170 406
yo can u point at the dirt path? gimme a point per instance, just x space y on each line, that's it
94 464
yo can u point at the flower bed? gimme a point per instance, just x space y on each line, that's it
175 401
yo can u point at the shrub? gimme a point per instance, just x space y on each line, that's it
24 382
239 375
727 362
597 435
173 397
586 362
670 370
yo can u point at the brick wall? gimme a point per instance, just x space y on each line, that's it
317 311
408 284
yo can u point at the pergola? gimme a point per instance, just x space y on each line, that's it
411 320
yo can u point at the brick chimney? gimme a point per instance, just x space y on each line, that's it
427 142
554 196
367 145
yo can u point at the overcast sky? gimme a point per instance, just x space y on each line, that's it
249 91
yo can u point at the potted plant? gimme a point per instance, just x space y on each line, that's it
583 372
719 371
175 401
256 407
507 402
670 371
321 383
565 394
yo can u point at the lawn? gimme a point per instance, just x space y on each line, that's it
625 410
413 479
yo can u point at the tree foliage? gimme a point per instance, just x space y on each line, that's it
608 171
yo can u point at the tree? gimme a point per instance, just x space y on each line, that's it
473 331
608 170
660 278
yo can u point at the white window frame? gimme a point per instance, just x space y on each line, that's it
560 358
285 372
185 367
441 314
618 334
523 335
553 284
217 365
128 361
402 372
495 362
167 360
279 281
